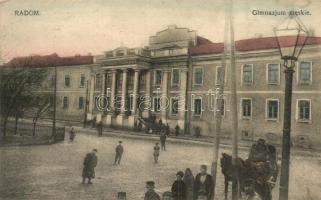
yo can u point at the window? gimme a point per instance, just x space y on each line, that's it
98 81
304 72
82 80
175 76
247 74
246 108
174 105
142 80
273 73
272 109
129 103
67 81
109 80
109 54
220 75
117 103
120 53
156 104
304 110
81 103
198 76
131 52
158 77
65 103
52 81
197 106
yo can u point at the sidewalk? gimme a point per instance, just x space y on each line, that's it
185 139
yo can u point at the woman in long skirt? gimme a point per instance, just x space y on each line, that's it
188 179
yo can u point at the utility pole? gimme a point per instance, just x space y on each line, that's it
86 105
54 105
235 182
188 100
219 102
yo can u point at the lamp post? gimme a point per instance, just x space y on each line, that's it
291 37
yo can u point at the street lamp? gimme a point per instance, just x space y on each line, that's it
291 37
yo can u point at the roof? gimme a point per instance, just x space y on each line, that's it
49 61
253 44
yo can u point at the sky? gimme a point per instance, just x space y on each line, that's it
70 27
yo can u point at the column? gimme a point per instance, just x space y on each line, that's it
103 82
102 92
120 118
123 92
146 113
164 99
132 119
135 91
111 94
113 90
91 97
182 99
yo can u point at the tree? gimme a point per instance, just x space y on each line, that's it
19 83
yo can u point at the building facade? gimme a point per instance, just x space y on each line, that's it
175 79
177 75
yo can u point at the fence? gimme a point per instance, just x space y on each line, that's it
25 133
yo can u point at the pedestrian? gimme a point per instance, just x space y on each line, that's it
178 187
189 183
90 162
177 130
119 152
100 128
151 194
203 184
156 152
163 141
72 134
167 129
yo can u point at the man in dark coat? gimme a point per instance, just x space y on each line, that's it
100 128
178 187
263 152
259 151
119 152
151 194
90 162
167 129
163 141
203 184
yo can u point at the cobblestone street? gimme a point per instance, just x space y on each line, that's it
54 172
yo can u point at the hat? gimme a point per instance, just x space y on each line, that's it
180 173
261 140
150 183
121 194
95 150
204 166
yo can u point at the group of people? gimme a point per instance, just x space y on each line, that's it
91 160
186 186
157 148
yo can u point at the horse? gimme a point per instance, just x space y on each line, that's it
252 177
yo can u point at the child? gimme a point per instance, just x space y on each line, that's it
156 152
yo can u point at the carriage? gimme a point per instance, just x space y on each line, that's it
254 177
